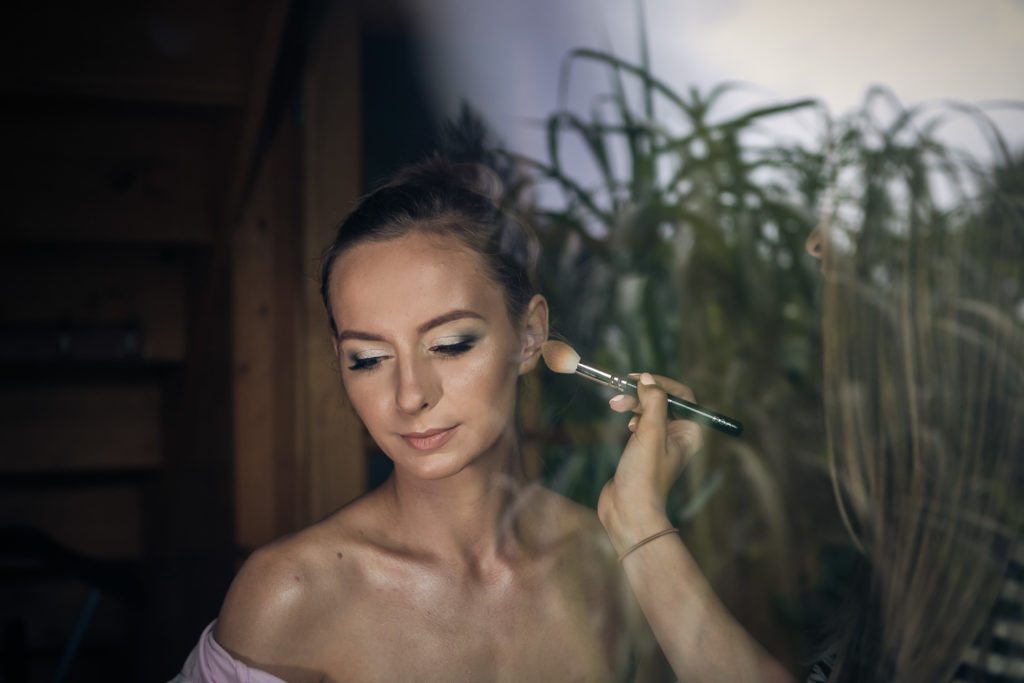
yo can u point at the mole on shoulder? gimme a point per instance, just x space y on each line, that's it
340 555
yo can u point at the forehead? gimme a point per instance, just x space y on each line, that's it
405 281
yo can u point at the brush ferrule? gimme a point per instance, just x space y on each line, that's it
602 377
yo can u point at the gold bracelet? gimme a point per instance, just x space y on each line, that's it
647 540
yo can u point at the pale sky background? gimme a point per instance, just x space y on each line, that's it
504 57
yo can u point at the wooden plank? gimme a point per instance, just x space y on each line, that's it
102 175
266 31
330 433
69 427
102 521
253 324
265 281
263 277
77 285
299 448
186 52
263 286
289 463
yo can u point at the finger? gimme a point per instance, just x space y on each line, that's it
623 403
685 437
632 423
670 386
654 410
675 388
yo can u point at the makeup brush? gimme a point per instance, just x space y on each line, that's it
561 357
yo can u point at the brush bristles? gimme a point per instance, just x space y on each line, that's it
560 357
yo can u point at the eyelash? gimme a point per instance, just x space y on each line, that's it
456 349
365 363
446 350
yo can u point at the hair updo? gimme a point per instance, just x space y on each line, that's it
437 196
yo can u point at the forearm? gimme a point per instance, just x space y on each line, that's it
697 634
699 637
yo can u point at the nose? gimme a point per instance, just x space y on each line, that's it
814 245
418 388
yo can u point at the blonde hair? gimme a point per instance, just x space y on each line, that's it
924 400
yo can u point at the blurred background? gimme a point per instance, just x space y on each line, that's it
168 399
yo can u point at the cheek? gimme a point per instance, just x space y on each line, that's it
485 378
368 398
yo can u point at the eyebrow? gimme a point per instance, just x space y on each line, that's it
450 316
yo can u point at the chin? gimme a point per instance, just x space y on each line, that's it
432 466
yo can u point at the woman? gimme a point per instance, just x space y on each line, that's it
456 568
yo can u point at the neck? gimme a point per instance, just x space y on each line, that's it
469 517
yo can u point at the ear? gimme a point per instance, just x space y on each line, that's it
533 333
334 345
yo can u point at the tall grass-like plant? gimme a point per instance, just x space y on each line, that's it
676 245
683 256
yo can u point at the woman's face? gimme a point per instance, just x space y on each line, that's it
428 355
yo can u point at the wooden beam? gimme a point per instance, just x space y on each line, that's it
265 33
330 433
299 448
266 284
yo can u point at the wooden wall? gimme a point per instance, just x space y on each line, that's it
299 447
168 400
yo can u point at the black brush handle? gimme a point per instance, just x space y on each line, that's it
680 406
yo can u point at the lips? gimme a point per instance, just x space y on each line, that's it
430 439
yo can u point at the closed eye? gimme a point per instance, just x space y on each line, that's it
366 360
452 346
365 363
454 349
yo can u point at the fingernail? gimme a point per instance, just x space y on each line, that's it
617 399
647 379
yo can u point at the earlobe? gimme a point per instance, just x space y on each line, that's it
534 333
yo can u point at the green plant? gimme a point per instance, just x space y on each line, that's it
678 248
662 265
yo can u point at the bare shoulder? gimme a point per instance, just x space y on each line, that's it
571 527
285 596
267 607
572 522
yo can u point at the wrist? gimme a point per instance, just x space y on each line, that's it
644 541
627 526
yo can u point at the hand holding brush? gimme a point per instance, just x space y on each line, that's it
562 358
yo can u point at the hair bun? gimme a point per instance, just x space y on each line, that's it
437 171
